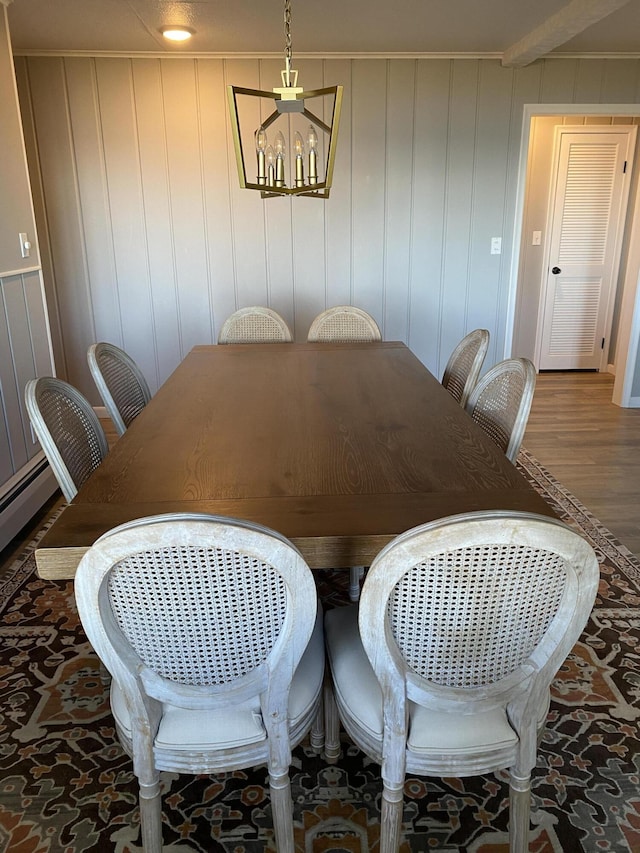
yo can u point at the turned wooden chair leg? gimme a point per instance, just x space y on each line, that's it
391 818
151 813
317 730
355 574
519 813
282 808
331 724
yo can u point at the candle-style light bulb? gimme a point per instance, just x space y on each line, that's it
261 144
299 147
280 150
270 156
312 145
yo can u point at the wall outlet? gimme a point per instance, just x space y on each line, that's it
496 245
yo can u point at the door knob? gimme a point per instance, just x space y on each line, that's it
556 270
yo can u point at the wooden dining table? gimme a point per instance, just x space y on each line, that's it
338 446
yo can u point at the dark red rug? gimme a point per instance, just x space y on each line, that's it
66 785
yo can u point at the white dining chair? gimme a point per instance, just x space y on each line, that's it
68 430
120 383
255 325
445 667
501 401
343 323
464 365
212 632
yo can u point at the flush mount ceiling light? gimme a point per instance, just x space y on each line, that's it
177 33
291 149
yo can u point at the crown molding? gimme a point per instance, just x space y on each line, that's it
489 55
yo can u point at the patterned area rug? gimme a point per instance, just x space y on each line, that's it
66 785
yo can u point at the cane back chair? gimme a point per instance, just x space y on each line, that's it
254 325
211 630
445 669
343 323
501 401
464 365
68 430
120 383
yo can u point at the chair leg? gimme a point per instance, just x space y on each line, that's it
519 811
354 582
391 819
151 814
331 724
317 730
282 809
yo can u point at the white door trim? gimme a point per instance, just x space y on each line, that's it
627 346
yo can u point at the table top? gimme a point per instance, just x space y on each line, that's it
340 447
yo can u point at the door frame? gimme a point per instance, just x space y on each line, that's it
629 327
553 188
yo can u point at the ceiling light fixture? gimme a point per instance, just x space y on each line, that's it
282 168
177 33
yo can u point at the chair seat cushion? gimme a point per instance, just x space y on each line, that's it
430 732
238 725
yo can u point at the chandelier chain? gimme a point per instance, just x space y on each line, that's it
287 31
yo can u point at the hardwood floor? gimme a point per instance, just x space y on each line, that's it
586 442
591 446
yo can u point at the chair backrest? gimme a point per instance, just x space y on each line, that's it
68 430
120 383
501 401
344 323
476 611
464 365
198 611
254 325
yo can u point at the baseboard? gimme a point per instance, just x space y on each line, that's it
101 412
38 486
611 368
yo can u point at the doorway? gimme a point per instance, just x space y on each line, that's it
531 251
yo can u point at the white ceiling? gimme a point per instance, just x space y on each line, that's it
526 28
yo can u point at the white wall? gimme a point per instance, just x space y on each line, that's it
152 244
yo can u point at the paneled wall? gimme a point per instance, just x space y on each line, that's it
152 244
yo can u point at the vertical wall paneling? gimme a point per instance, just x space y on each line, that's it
248 234
185 169
368 116
526 90
619 87
10 458
86 119
430 137
37 193
140 181
162 344
307 221
14 180
65 222
461 148
215 167
399 166
589 81
338 220
559 81
487 271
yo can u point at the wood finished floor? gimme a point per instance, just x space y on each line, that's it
590 445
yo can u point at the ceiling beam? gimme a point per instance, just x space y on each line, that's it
559 28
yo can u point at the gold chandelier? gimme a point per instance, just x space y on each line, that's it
292 149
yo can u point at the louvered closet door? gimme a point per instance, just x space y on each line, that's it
588 211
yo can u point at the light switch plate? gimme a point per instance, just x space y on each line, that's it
496 245
536 238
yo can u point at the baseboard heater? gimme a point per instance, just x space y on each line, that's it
23 495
